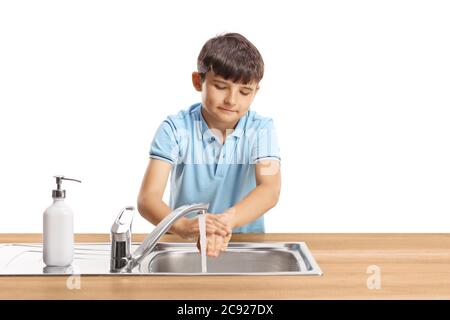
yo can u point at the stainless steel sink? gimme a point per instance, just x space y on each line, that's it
240 258
244 258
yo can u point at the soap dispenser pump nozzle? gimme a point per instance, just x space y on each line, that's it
60 193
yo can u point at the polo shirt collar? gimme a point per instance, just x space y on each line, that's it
206 134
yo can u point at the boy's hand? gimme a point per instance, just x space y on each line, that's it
188 228
216 243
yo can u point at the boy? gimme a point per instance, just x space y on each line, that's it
217 151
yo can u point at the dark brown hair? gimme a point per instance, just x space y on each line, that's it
231 56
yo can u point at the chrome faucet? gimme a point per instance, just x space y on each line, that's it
122 260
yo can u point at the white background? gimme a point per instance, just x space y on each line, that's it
359 92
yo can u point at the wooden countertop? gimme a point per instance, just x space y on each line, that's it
411 266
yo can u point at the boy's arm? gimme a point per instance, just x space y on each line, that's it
150 204
260 199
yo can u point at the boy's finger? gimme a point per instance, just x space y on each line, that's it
210 245
225 242
223 231
218 246
218 221
222 226
213 228
198 244
225 227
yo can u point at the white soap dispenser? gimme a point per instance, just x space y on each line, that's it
58 229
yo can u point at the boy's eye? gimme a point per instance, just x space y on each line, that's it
222 88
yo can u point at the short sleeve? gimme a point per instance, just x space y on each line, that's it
265 145
164 145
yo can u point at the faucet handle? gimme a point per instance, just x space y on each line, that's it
121 238
123 221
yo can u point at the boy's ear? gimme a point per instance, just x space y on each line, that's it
197 81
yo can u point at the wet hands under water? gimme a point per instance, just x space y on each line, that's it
217 242
218 232
217 224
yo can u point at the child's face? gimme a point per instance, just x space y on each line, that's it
224 100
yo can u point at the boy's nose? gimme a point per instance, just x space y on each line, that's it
230 99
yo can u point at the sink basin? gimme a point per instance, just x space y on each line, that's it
240 258
244 258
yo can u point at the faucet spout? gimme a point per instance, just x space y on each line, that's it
152 239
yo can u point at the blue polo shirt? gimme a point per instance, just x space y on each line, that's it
204 170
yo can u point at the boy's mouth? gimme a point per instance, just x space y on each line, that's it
227 110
